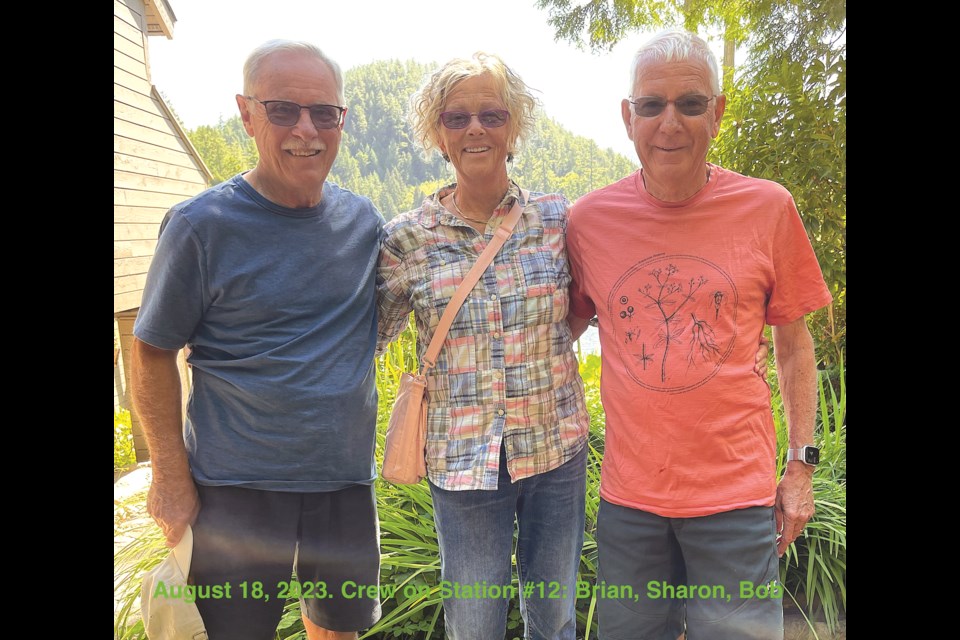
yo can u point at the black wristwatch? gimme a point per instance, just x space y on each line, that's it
807 454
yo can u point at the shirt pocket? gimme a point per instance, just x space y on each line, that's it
534 303
446 268
535 271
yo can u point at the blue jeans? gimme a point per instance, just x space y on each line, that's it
475 531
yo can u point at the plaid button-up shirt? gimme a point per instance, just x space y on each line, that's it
507 371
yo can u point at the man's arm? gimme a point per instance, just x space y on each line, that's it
155 389
797 371
577 325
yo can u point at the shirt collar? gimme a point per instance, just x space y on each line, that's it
435 213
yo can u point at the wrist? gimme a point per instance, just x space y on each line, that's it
175 469
795 467
806 454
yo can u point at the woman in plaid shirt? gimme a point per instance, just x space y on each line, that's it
507 423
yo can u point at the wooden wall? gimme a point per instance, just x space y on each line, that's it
154 167
154 164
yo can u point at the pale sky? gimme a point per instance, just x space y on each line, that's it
200 69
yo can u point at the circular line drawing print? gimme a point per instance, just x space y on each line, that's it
674 321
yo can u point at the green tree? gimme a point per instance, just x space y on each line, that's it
225 148
780 130
553 160
378 157
786 105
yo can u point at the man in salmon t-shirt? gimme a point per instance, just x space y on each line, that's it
683 263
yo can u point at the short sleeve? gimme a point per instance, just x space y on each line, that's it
393 297
174 294
799 287
581 305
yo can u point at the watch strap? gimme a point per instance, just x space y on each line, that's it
800 454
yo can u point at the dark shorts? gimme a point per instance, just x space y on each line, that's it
248 543
715 577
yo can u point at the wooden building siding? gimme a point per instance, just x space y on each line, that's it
155 166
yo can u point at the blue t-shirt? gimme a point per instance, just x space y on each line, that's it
278 307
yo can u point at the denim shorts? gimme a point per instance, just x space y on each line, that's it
714 577
249 542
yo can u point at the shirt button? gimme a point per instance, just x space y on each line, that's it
443 263
493 296
498 374
499 412
496 335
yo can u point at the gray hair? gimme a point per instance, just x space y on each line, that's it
675 45
252 66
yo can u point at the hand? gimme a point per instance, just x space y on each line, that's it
174 504
763 353
794 504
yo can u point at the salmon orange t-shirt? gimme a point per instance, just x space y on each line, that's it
682 291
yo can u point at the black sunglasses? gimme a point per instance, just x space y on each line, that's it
691 105
286 114
489 119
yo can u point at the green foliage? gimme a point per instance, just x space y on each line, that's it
554 161
813 570
586 609
603 24
145 550
225 148
378 157
803 147
786 121
409 552
786 106
124 454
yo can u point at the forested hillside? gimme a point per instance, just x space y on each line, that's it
379 159
794 139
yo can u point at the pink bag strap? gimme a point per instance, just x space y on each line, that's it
504 231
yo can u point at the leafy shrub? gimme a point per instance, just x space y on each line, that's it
813 570
124 455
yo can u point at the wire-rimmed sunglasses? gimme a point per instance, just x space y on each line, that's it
689 105
489 118
284 113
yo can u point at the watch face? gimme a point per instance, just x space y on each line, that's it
811 455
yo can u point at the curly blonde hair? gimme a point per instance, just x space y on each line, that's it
428 102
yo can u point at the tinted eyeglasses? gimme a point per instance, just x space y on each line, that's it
489 119
691 105
286 114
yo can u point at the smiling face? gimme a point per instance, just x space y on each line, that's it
672 147
478 154
294 160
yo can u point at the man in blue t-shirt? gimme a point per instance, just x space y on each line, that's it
269 279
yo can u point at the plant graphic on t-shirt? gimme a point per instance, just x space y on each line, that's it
669 296
643 357
717 301
703 341
674 318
